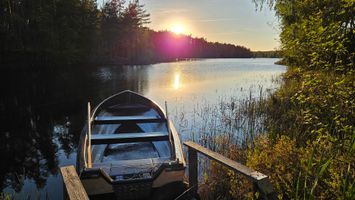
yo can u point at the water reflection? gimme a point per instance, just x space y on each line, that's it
42 112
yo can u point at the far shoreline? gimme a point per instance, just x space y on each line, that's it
43 66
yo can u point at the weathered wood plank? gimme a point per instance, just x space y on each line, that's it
73 186
119 119
128 137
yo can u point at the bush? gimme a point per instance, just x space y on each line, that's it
280 161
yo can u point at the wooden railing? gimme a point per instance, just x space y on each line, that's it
260 181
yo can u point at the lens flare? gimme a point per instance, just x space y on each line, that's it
177 29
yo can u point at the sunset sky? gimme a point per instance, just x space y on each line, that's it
230 21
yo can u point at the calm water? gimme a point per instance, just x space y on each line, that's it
42 112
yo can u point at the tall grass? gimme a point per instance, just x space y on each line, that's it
238 120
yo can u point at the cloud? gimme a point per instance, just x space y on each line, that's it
170 11
216 20
225 33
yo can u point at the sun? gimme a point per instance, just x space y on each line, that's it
178 29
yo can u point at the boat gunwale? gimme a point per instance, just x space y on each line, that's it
157 108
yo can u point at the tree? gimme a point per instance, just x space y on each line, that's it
317 34
133 19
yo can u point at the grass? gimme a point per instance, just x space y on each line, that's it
4 196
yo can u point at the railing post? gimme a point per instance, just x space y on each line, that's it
265 188
192 156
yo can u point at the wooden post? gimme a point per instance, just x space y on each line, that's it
74 189
89 161
192 156
265 188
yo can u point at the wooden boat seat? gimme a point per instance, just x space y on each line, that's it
128 138
122 119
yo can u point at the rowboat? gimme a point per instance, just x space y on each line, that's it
130 148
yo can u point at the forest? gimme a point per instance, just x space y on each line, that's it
80 32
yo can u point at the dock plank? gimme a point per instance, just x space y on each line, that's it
73 186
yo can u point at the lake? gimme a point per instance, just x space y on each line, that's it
43 111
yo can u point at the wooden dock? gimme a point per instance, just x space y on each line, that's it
74 189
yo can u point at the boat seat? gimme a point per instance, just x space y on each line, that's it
128 137
122 119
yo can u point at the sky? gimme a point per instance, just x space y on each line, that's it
226 21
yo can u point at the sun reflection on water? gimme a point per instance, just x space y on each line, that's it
177 83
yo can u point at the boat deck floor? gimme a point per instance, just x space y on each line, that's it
131 151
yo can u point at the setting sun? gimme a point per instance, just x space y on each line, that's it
178 29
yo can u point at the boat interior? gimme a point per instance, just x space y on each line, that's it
118 139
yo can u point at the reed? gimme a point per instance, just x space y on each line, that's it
228 126
238 120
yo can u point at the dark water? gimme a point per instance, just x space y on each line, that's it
42 112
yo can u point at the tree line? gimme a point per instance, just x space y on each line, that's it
267 54
78 31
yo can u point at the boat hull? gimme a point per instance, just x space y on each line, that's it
134 151
98 185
